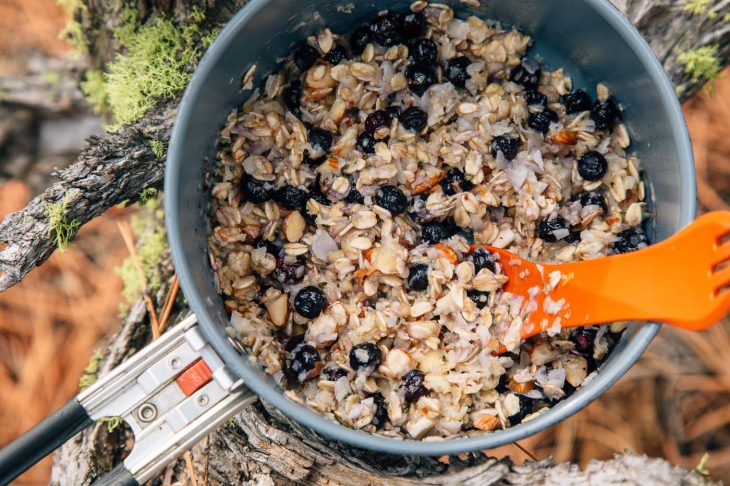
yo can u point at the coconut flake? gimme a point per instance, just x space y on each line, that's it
323 244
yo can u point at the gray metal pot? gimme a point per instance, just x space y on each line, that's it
590 38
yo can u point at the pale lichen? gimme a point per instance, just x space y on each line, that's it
72 32
111 423
157 147
94 89
697 7
146 195
59 225
88 377
701 63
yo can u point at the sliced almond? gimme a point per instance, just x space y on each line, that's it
487 422
278 310
293 227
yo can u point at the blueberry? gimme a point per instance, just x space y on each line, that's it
573 237
535 98
630 240
418 277
380 414
305 57
359 39
482 259
334 373
293 342
526 407
256 191
584 338
354 196
391 198
336 55
364 355
548 228
291 197
455 182
313 162
541 120
412 385
414 119
605 114
289 269
292 97
385 29
366 143
317 193
434 231
304 362
412 25
592 166
310 301
270 246
576 102
394 111
467 234
320 138
377 120
456 71
592 198
507 145
481 299
527 74
420 77
423 51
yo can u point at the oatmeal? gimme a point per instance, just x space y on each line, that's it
352 194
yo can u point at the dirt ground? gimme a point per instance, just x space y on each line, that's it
674 403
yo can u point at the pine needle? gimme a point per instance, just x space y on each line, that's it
169 301
191 471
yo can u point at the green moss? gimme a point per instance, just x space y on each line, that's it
146 195
701 63
94 89
158 148
153 66
59 225
88 377
697 7
111 423
149 228
72 31
726 17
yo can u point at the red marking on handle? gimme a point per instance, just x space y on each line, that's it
194 377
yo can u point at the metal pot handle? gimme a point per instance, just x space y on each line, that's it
172 393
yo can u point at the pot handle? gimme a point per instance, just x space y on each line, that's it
172 393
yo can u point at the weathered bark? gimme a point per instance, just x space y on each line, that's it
261 446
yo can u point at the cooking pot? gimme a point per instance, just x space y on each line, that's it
182 386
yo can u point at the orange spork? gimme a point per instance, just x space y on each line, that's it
683 281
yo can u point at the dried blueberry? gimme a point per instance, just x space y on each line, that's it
541 120
576 102
335 55
291 197
467 234
270 246
334 373
535 98
289 269
584 339
552 230
321 138
412 385
592 198
456 71
385 29
293 342
305 56
394 111
527 74
630 240
304 362
414 119
423 51
507 145
380 414
605 114
455 182
482 259
363 355
525 409
412 25
434 231
317 194
366 143
354 196
310 301
256 191
481 299
313 162
377 120
292 97
418 277
592 166
420 77
391 198
359 39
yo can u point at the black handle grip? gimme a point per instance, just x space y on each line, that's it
119 476
41 440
